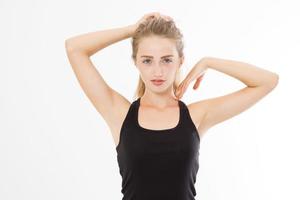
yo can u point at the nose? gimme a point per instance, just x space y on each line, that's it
158 71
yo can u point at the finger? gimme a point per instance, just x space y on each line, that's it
169 18
151 15
202 75
179 89
182 91
166 17
197 83
185 86
177 93
199 79
182 86
157 14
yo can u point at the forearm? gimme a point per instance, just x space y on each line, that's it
90 43
249 74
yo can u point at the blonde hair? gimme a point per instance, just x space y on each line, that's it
165 29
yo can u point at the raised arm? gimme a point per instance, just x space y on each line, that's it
79 50
259 82
108 102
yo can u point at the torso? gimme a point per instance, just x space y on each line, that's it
148 118
157 154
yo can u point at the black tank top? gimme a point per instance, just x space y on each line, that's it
158 164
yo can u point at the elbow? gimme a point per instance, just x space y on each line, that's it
276 79
71 47
273 81
68 45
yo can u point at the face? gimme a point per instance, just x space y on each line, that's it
157 58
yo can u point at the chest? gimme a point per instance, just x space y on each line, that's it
158 120
153 120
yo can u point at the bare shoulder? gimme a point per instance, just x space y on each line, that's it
197 112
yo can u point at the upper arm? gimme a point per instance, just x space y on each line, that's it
224 107
107 101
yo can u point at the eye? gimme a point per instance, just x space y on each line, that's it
166 60
146 60
169 60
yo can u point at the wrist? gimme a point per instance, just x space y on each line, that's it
204 62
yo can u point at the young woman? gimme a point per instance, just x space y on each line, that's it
157 136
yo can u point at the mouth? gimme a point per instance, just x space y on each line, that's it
157 81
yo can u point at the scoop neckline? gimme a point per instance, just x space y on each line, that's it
158 130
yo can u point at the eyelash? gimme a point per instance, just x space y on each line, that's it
165 59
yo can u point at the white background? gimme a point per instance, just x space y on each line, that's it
55 145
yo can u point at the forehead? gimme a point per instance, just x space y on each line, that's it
156 46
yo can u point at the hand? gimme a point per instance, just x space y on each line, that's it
197 73
152 15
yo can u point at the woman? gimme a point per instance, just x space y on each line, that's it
157 136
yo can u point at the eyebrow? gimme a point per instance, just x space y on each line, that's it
152 56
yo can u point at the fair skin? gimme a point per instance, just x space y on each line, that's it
158 102
157 58
157 66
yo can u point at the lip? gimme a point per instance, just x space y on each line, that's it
158 82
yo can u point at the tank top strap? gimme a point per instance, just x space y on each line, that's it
185 111
127 122
130 114
187 119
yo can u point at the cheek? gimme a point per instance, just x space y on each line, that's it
172 71
145 76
